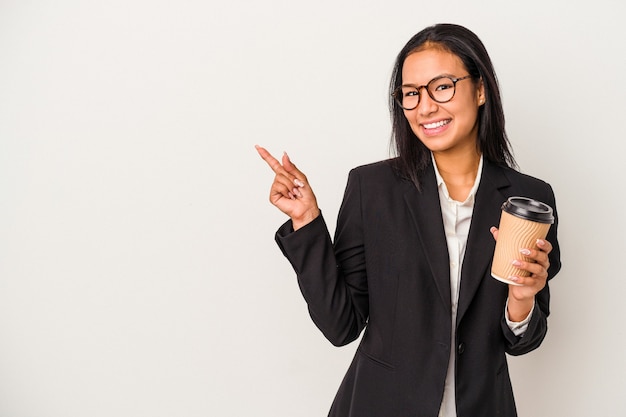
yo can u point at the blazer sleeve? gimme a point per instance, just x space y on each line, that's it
332 277
538 326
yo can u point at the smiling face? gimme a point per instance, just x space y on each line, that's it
443 127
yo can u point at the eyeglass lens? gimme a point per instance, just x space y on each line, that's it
440 89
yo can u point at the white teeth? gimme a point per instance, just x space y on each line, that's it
436 124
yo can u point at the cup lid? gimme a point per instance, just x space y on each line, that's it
529 209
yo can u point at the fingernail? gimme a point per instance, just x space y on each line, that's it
291 196
540 242
525 252
516 262
297 192
298 182
514 278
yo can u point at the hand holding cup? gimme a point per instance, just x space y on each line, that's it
524 224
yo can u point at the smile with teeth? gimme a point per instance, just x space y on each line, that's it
436 124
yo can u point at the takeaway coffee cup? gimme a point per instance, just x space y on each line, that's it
522 222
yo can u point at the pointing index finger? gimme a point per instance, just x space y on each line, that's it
271 161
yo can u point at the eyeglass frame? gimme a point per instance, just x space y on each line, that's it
395 92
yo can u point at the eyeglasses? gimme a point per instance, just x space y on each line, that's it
441 89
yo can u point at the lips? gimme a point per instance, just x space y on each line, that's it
436 125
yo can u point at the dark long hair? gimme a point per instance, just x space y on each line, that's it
413 155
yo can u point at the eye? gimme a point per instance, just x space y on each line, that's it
410 92
444 85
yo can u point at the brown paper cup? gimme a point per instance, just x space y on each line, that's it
522 222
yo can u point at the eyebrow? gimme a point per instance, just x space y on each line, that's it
419 85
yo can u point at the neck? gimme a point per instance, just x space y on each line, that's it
464 165
458 172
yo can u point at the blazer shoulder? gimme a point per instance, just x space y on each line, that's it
518 176
527 185
514 176
377 171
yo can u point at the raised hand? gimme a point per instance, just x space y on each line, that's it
521 296
290 191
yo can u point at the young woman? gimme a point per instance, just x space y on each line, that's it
415 235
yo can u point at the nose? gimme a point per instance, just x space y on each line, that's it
426 104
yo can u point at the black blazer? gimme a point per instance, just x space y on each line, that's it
388 272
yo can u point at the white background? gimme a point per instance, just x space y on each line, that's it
138 272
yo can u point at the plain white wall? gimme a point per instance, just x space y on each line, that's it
138 272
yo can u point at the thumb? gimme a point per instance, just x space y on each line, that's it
289 166
299 177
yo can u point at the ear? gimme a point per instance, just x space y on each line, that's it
480 93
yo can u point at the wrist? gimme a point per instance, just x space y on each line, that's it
519 309
306 218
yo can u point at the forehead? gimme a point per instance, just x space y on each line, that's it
424 65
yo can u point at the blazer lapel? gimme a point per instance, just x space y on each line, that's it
425 210
480 242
